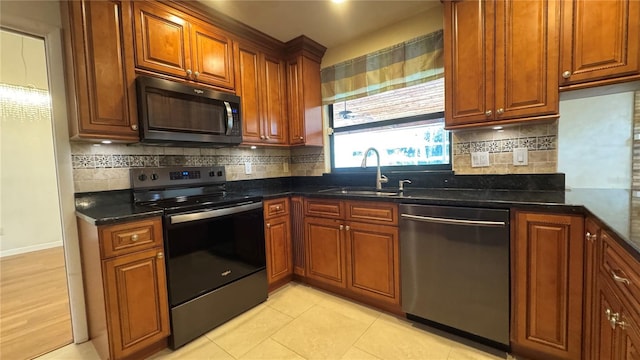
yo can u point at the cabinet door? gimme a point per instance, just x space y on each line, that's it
373 261
606 337
162 39
547 285
591 311
305 102
248 88
630 347
136 301
212 56
325 251
278 248
600 40
469 65
526 61
99 42
274 100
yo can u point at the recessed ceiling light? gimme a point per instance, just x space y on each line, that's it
253 147
497 128
106 141
337 1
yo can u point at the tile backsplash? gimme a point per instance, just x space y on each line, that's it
106 167
635 167
539 139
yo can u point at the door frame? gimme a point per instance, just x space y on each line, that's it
52 36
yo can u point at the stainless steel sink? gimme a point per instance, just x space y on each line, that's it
348 191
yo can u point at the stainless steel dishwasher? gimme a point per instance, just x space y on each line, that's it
455 268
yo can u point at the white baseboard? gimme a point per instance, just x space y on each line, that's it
31 248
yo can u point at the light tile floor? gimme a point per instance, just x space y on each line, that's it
300 322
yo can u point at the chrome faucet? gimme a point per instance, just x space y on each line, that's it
380 179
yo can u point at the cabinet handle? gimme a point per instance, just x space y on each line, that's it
268 225
591 237
196 74
620 279
614 319
188 72
348 228
134 127
566 74
500 111
341 227
134 237
160 255
488 113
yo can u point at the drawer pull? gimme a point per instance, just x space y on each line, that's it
160 255
134 237
620 279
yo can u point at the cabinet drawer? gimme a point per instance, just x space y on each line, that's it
129 237
324 208
621 269
276 207
372 212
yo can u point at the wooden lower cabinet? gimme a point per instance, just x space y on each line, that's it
136 301
278 249
547 285
324 239
373 259
125 287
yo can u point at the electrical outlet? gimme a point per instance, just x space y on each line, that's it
247 167
520 157
479 159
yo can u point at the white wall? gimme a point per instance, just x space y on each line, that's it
30 209
595 137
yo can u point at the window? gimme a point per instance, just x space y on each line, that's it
405 125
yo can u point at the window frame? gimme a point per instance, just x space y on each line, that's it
388 169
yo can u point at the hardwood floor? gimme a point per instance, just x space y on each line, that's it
34 304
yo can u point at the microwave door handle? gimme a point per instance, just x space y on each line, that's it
229 118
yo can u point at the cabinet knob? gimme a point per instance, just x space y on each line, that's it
268 225
196 74
488 113
500 111
566 74
160 255
189 72
341 227
347 228
278 207
262 137
614 319
591 237
134 237
134 127
301 138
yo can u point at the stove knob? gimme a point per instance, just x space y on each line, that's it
154 176
142 177
219 173
212 173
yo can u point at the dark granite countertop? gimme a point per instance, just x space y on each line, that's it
617 209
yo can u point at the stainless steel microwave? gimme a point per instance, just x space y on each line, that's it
173 113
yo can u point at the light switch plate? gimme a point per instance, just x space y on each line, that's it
247 167
520 157
479 159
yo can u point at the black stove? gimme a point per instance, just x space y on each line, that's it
214 245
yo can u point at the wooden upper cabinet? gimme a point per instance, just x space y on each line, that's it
304 91
547 285
171 42
500 61
600 42
261 86
99 70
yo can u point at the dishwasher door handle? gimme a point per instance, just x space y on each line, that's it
438 220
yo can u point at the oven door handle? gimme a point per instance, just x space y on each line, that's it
207 214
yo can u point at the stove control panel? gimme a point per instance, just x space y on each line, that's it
172 176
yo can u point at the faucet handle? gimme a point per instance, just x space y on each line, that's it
401 184
383 179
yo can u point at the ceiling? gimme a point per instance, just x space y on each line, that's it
327 23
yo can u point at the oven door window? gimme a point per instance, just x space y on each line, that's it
207 254
180 112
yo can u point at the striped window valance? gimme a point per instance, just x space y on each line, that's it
410 63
